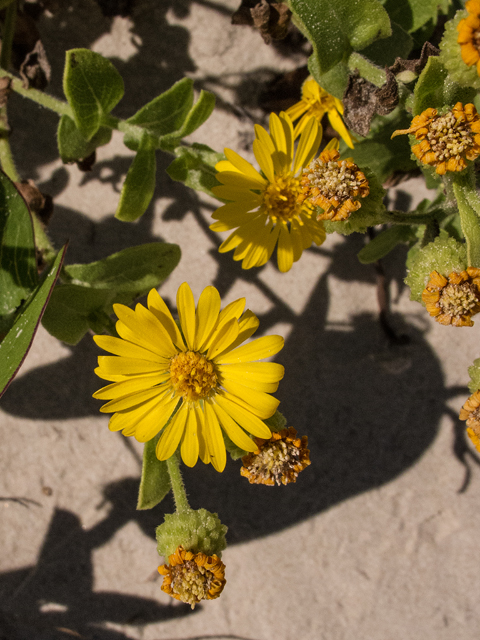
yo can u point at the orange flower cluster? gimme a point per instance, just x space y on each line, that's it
448 140
334 185
471 413
191 577
469 35
278 459
453 300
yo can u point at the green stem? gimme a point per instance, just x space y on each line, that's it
42 241
6 157
468 202
399 217
178 488
8 32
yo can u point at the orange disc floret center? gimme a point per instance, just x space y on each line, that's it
192 375
280 198
332 184
449 136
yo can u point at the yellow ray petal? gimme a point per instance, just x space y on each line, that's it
244 166
258 349
232 310
214 438
189 447
247 326
264 138
160 310
308 144
245 418
132 385
296 110
261 404
296 238
155 420
202 445
208 309
236 434
337 123
284 250
134 399
231 210
172 435
127 366
252 382
223 192
121 347
143 332
186 313
223 338
264 159
240 180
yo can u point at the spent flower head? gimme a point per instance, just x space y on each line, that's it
453 299
471 413
278 459
192 577
334 185
446 140
317 102
263 209
191 382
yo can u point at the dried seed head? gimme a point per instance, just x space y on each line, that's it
453 300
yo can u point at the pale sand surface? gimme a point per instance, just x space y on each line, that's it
376 541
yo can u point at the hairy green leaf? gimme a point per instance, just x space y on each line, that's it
139 185
337 28
92 86
411 14
385 242
197 115
474 373
384 52
436 89
72 309
18 266
164 114
155 481
195 167
86 301
15 345
134 270
72 145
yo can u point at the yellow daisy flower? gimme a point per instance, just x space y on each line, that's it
469 35
190 382
317 102
263 209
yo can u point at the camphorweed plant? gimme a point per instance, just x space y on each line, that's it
401 98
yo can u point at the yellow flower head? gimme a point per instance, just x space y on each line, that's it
263 209
334 185
192 382
453 300
447 140
469 35
191 577
471 413
278 459
317 102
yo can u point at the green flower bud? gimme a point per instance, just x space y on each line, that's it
197 531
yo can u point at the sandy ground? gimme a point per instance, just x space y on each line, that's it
376 541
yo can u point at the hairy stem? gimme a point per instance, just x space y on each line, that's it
178 488
8 32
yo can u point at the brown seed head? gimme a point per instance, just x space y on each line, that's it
278 459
